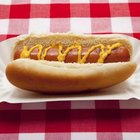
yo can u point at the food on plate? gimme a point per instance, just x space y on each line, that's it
70 62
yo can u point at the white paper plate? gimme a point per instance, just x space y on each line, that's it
123 91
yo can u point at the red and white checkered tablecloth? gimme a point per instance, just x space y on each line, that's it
70 120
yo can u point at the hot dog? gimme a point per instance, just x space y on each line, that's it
69 62
120 54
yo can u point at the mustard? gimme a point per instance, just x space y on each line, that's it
103 54
26 53
45 53
62 54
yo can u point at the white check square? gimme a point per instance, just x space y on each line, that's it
39 25
33 106
31 136
40 2
118 1
80 25
83 136
83 105
129 104
79 1
121 24
131 136
4 24
5 1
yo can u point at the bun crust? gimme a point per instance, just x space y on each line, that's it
45 76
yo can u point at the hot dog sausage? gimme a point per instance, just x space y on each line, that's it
120 54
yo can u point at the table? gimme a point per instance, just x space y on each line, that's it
70 120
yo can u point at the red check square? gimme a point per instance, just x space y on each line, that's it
99 1
3 37
10 36
119 10
4 11
136 35
101 25
80 10
58 105
32 121
110 136
9 121
40 11
130 120
99 10
60 25
83 120
107 104
18 26
20 11
134 1
134 9
62 1
58 136
7 106
60 10
9 136
136 24
108 120
58 121
20 2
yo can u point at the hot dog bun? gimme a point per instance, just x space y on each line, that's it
48 76
58 77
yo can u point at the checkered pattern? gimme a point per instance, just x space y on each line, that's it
84 120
